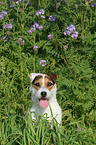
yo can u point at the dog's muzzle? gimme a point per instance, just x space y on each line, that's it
43 101
43 94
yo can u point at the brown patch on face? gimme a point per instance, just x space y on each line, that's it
49 84
37 82
53 76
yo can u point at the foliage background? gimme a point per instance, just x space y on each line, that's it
74 60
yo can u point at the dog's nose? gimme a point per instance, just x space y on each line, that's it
43 94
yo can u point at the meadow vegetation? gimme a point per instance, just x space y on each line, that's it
48 36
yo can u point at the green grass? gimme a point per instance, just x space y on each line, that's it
24 132
72 58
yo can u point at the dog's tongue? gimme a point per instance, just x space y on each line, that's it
43 103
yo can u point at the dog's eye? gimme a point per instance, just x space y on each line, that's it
37 85
49 84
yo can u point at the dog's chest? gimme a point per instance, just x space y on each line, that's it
51 110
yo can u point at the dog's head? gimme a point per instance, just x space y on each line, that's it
43 88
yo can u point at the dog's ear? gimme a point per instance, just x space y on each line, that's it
53 77
33 75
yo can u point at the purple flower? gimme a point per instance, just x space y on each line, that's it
50 36
42 16
40 27
53 5
43 62
29 4
76 5
11 19
74 35
4 12
79 128
8 26
71 30
42 11
33 29
52 18
5 38
17 2
35 48
20 41
30 32
93 5
1 16
8 32
65 47
12 6
67 33
39 12
26 1
36 25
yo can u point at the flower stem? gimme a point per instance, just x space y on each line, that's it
21 72
65 60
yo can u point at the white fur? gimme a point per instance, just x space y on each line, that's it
51 96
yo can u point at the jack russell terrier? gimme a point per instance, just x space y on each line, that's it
43 95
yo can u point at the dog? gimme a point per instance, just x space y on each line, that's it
43 95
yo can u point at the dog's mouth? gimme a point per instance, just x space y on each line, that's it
43 99
43 102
